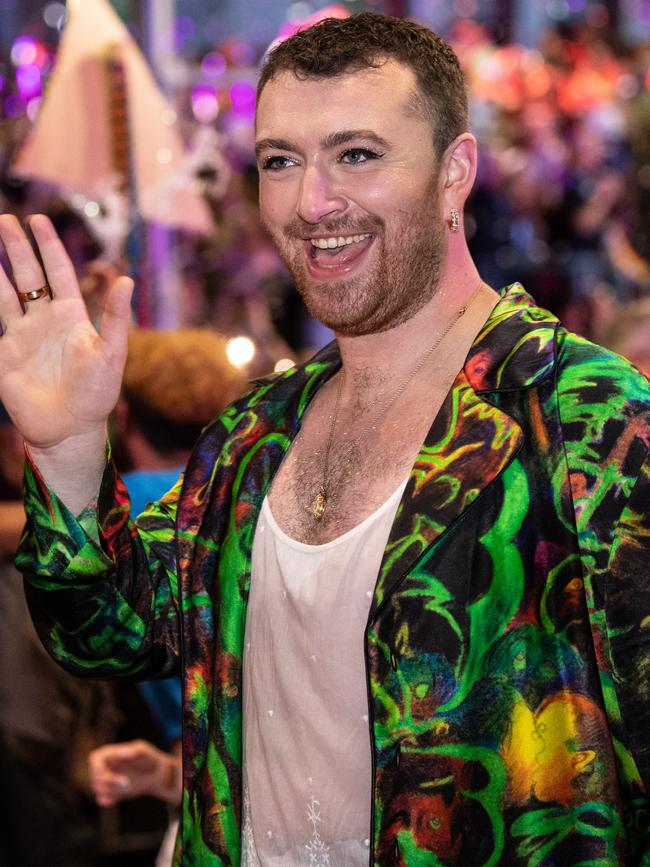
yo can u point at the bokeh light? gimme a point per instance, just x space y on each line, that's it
54 15
28 80
242 97
213 65
205 103
240 351
33 107
91 209
24 51
13 106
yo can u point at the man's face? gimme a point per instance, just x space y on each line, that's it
349 191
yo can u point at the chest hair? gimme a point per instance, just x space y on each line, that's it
366 465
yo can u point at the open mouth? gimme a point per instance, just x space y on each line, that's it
336 254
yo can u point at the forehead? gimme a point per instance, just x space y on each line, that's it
367 98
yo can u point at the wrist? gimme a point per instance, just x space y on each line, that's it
72 468
170 790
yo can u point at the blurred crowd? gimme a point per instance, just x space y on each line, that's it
562 204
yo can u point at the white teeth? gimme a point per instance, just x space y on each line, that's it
333 243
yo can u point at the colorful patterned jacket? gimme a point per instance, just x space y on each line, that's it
508 645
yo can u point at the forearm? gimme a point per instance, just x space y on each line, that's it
73 469
102 592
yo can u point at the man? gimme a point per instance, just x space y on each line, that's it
389 571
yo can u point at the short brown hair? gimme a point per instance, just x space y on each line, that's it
335 46
176 382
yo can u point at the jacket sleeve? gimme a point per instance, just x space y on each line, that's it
102 589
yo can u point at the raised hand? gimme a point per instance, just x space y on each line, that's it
59 377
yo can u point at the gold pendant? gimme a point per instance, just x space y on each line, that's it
319 505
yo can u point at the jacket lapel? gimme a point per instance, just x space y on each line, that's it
468 445
472 440
261 441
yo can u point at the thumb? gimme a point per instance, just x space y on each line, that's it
116 314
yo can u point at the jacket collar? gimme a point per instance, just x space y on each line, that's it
516 346
514 349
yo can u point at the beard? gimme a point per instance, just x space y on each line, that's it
403 276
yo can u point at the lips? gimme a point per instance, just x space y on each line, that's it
331 263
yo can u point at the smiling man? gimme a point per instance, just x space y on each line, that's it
407 582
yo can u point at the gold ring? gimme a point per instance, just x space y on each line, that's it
35 294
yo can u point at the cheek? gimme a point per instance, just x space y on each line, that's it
276 200
402 197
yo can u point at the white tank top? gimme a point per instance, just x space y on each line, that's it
307 761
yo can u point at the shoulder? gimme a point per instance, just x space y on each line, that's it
273 401
588 372
604 411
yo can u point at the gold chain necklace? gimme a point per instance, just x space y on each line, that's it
319 504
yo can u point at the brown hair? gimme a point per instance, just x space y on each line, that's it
335 46
176 382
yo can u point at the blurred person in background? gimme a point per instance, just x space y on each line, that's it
48 719
174 383
628 333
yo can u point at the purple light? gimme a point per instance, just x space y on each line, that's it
28 79
205 104
213 65
242 54
242 97
576 5
33 107
185 27
13 106
24 51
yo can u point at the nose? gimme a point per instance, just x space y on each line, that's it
318 196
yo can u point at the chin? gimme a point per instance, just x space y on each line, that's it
370 303
346 320
337 306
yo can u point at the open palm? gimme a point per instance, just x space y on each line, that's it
59 376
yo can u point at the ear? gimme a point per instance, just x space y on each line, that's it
459 163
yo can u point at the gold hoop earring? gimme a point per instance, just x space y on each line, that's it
454 222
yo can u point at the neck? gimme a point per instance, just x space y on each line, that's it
372 360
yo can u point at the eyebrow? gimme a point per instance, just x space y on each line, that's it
335 139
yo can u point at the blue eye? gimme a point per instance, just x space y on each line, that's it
276 163
356 156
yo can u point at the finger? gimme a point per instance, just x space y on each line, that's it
59 269
105 800
10 307
116 756
116 315
25 267
109 779
108 794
